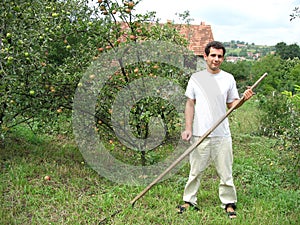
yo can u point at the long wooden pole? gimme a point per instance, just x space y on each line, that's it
193 146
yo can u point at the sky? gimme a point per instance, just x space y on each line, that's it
263 22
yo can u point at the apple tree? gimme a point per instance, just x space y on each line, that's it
127 27
45 46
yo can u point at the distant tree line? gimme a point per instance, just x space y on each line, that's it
287 51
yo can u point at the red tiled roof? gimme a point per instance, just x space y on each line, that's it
197 35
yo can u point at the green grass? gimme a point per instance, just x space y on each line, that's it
76 194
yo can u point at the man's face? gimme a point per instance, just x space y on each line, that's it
214 60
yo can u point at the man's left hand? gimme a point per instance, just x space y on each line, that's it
248 94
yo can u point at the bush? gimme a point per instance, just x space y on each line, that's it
281 120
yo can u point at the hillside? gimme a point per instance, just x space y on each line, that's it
239 50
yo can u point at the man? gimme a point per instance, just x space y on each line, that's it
209 93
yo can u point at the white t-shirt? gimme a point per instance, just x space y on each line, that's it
211 92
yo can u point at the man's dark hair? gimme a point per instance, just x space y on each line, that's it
216 45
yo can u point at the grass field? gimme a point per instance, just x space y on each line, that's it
76 194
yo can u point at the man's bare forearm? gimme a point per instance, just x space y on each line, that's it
189 114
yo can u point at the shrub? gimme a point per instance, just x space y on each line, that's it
281 120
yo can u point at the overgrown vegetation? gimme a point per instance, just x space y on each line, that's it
76 194
280 120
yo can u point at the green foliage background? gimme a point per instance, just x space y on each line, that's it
46 46
43 58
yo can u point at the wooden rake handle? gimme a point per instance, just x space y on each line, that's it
193 146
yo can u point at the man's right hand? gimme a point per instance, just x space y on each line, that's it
186 135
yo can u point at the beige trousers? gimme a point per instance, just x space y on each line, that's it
219 151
